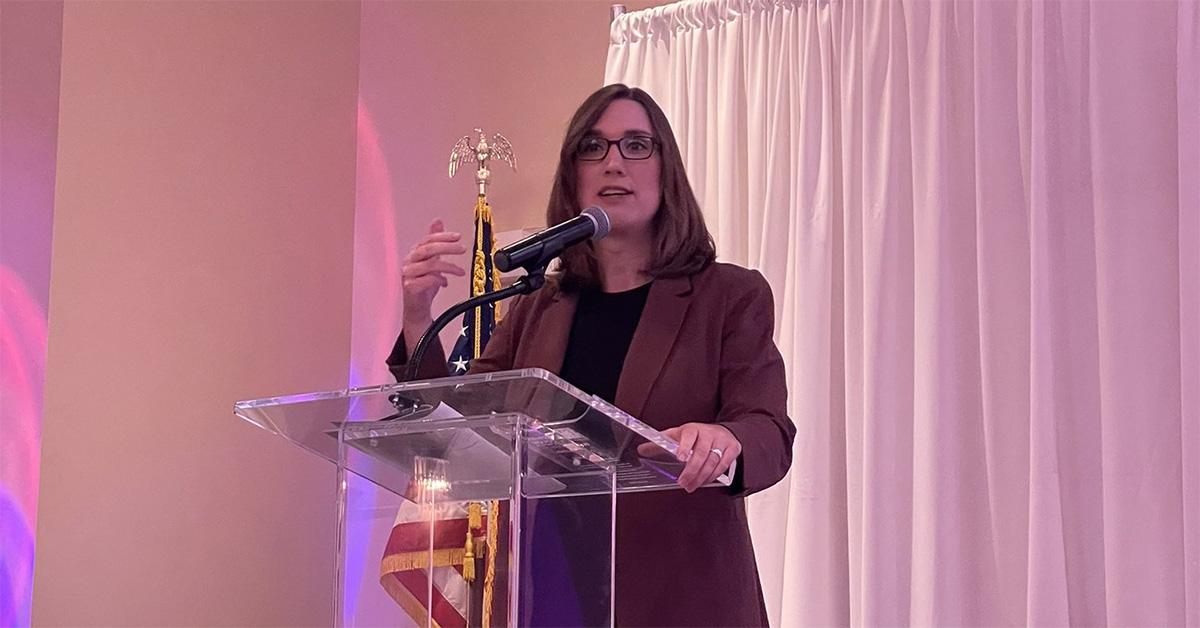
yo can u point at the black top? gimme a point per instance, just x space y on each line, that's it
600 335
601 332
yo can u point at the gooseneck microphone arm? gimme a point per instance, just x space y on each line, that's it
525 285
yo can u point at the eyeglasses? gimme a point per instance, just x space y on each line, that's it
636 147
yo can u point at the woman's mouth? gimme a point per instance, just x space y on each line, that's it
614 191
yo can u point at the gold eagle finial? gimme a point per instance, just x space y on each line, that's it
481 153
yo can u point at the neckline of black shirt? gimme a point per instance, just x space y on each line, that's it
601 333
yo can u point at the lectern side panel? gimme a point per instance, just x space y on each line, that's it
383 575
563 524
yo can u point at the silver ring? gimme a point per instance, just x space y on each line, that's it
717 450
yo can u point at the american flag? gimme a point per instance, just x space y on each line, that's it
408 567
405 571
478 323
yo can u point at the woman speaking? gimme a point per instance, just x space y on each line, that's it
649 321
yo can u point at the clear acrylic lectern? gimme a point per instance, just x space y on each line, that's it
484 500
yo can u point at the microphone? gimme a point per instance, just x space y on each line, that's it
537 250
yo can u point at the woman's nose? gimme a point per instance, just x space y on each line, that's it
614 161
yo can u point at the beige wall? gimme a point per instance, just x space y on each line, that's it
202 254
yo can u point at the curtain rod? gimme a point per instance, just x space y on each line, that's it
616 11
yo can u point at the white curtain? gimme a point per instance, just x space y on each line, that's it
981 224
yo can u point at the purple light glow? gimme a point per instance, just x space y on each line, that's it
22 373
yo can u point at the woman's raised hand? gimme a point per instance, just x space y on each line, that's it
424 273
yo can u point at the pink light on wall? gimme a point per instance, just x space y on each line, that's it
375 320
22 375
376 260
30 53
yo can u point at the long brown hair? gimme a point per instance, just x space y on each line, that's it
682 244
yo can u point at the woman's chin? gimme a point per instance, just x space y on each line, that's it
626 229
624 214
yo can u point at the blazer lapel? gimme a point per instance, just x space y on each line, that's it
553 333
657 330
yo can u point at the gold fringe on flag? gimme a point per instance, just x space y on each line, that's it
492 540
407 561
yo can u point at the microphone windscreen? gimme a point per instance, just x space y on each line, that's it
603 226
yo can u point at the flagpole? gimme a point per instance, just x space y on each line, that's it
479 315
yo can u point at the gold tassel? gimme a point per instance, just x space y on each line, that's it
474 522
474 515
469 558
479 276
483 213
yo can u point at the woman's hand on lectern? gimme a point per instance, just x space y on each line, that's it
424 273
707 448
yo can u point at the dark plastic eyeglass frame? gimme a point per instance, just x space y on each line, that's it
654 145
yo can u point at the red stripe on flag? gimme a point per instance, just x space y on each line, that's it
444 613
413 536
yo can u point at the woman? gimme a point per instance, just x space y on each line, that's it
646 319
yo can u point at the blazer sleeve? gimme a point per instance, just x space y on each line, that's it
433 365
753 389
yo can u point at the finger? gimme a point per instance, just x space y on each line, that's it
730 448
706 460
693 478
442 236
427 250
708 472
650 449
690 478
686 437
425 283
439 236
436 226
421 281
428 267
729 453
436 246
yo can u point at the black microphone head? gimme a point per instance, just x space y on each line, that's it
603 226
538 249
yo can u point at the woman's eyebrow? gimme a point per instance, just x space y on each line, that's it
627 133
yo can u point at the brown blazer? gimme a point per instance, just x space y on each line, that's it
702 352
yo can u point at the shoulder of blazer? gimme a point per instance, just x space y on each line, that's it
729 280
